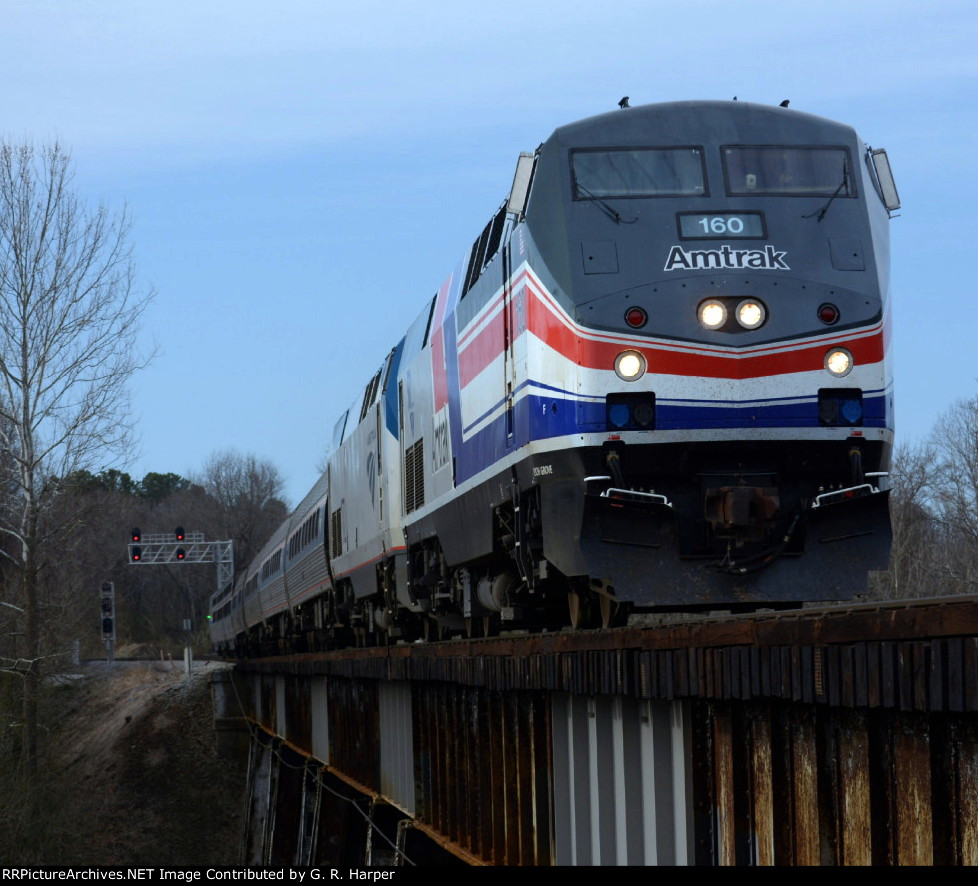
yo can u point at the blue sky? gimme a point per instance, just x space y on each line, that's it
303 175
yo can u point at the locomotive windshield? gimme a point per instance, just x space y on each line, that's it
642 172
787 171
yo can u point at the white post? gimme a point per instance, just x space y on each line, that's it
188 655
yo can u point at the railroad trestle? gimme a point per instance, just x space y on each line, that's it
839 735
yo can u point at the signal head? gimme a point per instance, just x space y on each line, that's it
135 554
179 533
135 535
181 554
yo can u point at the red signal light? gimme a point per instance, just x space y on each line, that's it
179 533
136 554
135 535
181 554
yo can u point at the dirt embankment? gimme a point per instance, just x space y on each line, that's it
137 775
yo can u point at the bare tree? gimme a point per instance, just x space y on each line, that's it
934 510
912 570
955 437
69 313
248 492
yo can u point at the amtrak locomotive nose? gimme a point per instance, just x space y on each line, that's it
734 247
743 238
659 378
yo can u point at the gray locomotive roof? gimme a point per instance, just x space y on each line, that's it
721 121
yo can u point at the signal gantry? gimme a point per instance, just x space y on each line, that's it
166 548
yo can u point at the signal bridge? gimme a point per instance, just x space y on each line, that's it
166 548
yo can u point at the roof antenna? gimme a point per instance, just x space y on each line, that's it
784 104
624 102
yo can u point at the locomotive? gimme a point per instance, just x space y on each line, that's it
659 379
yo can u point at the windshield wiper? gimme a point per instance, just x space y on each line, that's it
610 210
819 214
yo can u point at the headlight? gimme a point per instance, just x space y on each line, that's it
750 314
712 313
839 362
630 365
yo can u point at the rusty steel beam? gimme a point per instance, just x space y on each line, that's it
804 789
912 832
848 789
478 762
268 699
854 827
964 799
497 776
761 787
724 768
298 705
481 727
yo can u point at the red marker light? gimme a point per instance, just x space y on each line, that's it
828 314
636 317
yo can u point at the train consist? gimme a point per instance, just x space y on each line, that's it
659 379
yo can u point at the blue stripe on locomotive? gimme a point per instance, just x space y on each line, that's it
390 396
538 417
451 364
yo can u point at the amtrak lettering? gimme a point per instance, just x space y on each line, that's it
766 259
